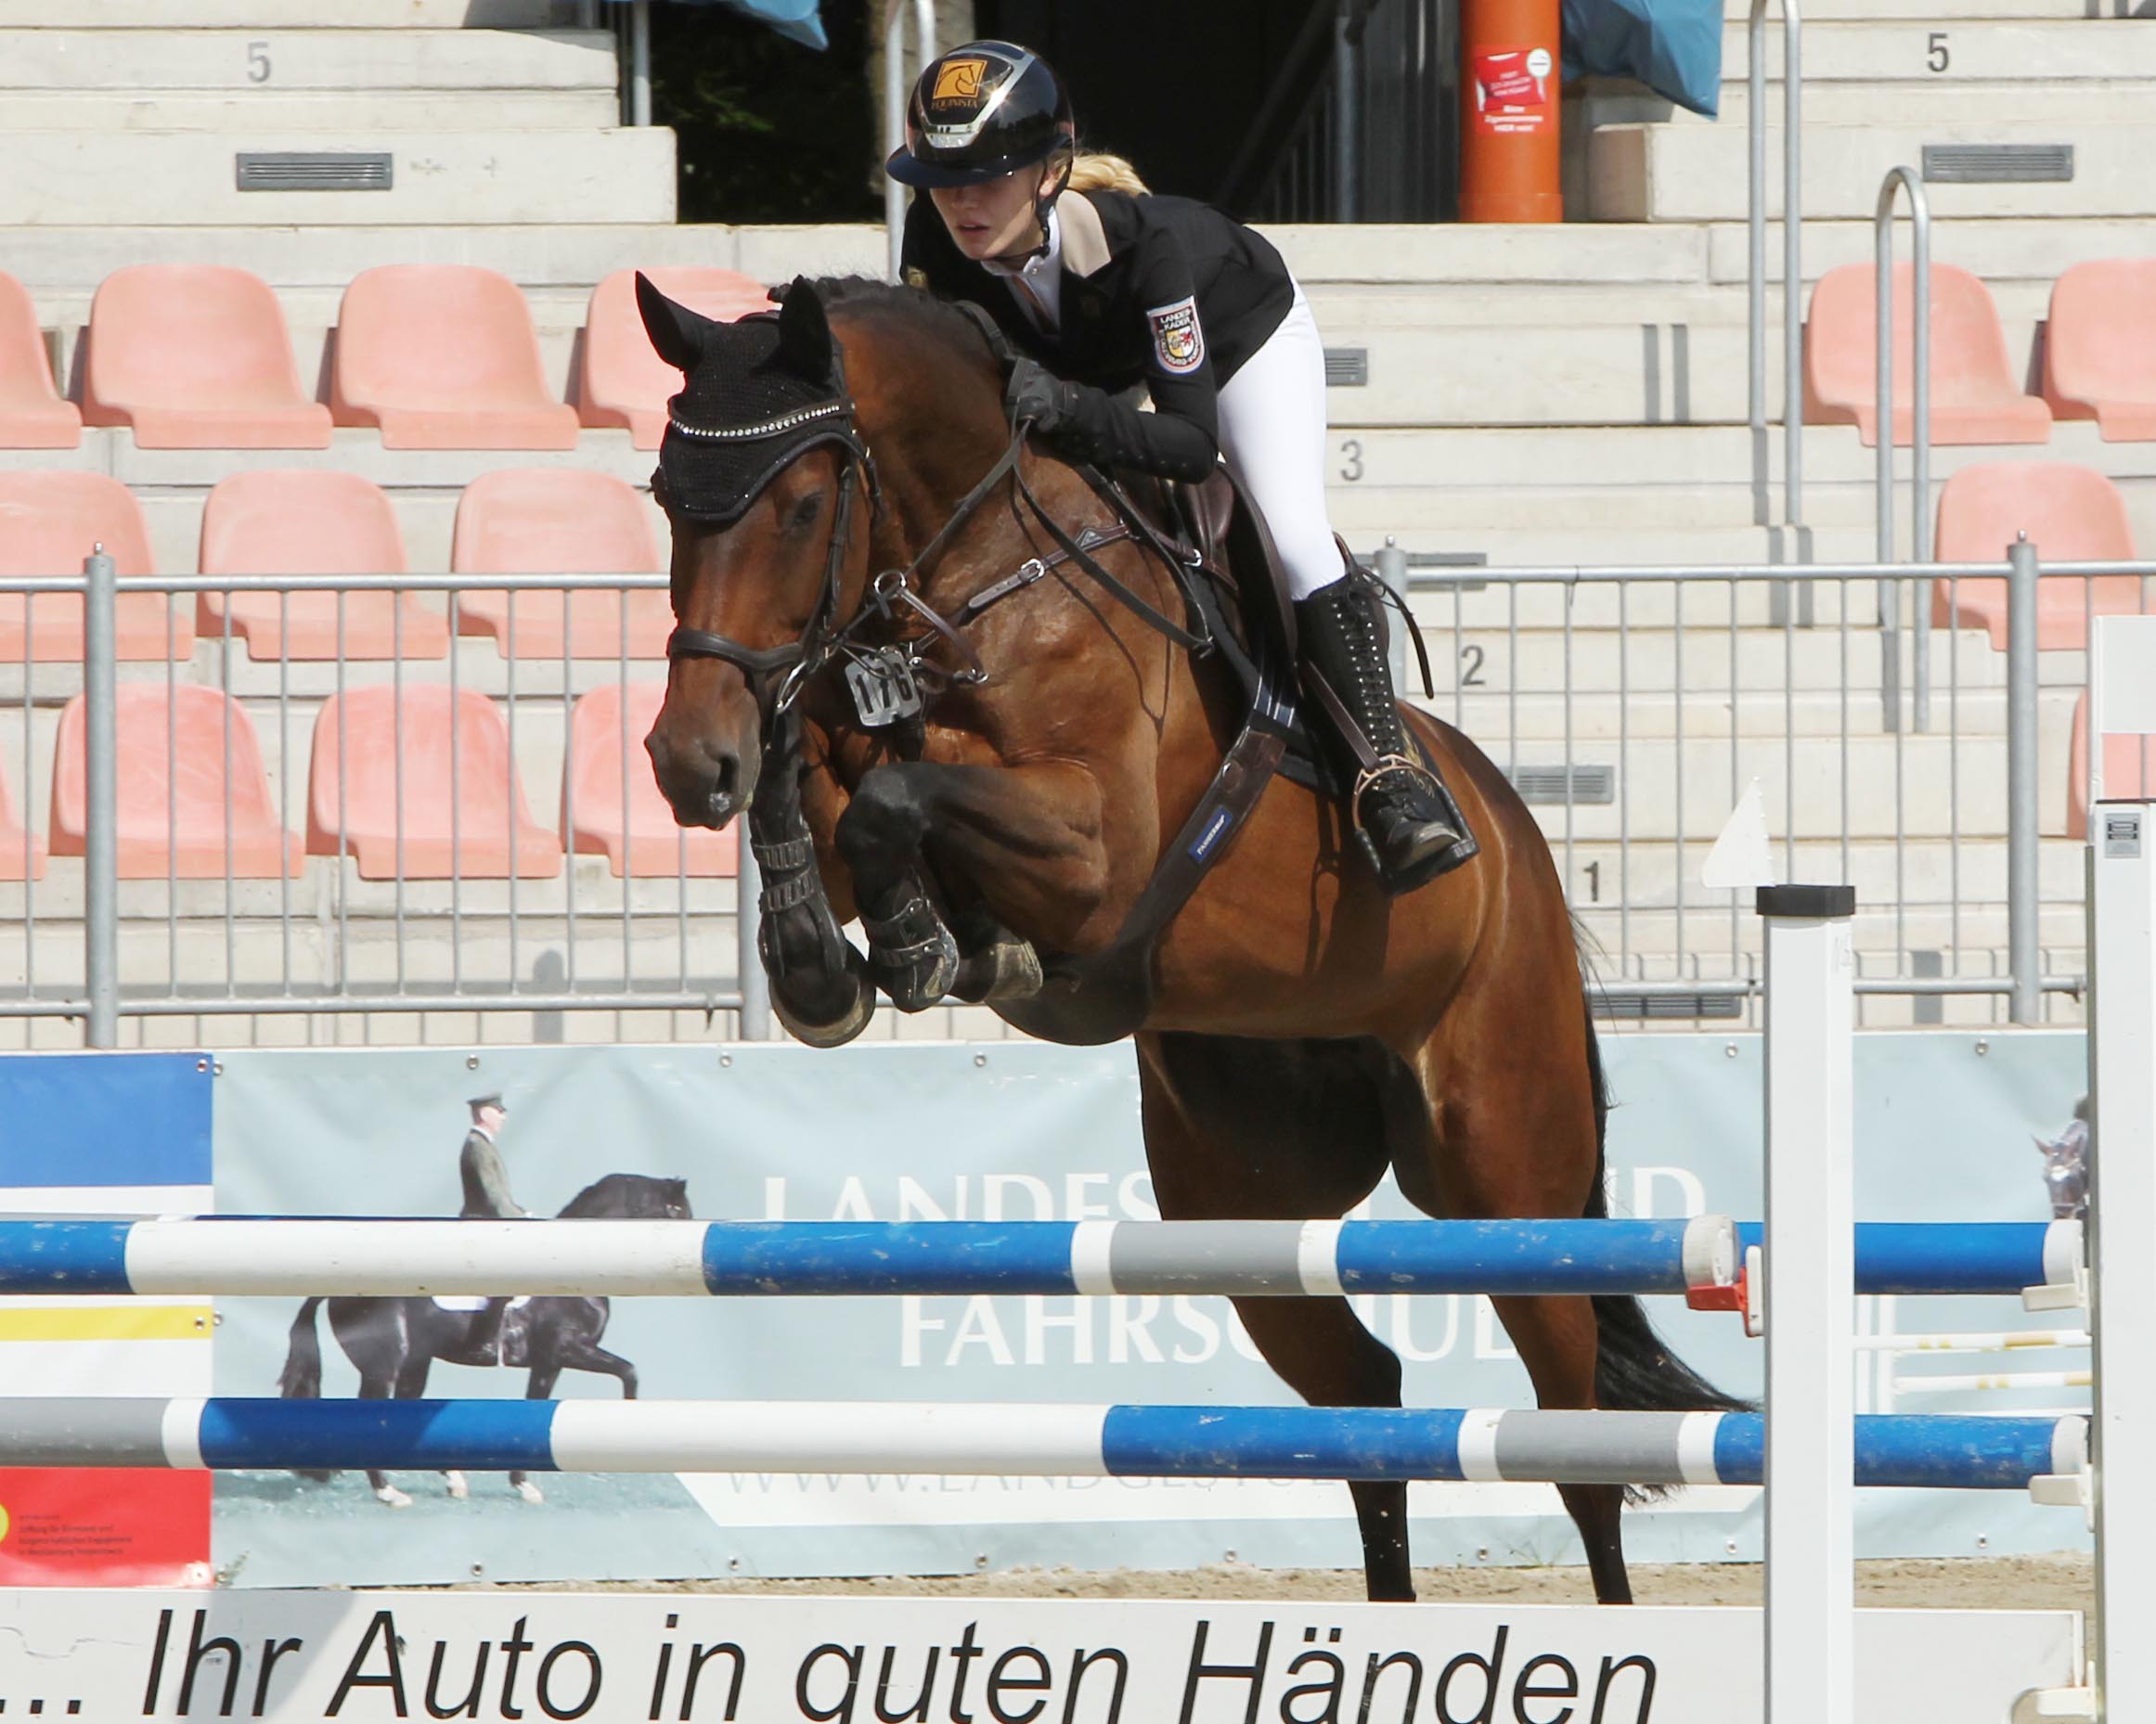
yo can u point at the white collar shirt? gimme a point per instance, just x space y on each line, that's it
1037 284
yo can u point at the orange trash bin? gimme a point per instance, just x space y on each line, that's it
1509 111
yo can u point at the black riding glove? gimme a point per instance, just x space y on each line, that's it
1037 394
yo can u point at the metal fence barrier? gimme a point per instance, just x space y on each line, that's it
1633 706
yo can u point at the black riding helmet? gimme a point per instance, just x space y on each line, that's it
979 113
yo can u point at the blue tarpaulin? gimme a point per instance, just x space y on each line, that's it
1672 46
796 19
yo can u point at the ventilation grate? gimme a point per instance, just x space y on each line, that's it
313 170
1544 785
1348 367
1617 1003
1997 164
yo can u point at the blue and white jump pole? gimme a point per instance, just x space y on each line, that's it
1024 1439
346 1255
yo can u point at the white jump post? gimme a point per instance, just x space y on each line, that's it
1811 1306
2121 1207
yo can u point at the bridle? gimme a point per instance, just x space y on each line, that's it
825 422
777 675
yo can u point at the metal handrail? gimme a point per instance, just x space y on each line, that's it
895 105
1792 263
1921 436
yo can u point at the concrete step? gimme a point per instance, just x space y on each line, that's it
1475 456
1658 173
626 175
541 253
1946 788
1653 933
265 60
1951 51
393 110
1601 662
326 15
1922 873
1937 101
2002 249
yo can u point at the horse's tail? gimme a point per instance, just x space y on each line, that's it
1634 1369
302 1378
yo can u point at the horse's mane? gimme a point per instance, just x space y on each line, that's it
932 316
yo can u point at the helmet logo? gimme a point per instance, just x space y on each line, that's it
959 82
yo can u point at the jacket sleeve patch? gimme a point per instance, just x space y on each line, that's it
1179 344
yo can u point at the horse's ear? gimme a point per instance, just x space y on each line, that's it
804 333
676 333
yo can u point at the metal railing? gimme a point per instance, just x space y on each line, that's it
1360 122
894 88
345 933
1792 269
1631 705
1896 180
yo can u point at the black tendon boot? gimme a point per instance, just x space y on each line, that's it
1409 826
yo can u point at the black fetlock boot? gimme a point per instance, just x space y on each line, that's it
1409 826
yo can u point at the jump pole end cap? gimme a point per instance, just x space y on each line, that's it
1810 903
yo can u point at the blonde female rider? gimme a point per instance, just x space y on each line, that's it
1105 286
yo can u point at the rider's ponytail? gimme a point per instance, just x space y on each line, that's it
1094 171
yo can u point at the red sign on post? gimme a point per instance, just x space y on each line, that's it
1512 90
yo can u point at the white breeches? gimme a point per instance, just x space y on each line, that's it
1272 436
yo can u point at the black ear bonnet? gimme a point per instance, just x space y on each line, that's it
755 395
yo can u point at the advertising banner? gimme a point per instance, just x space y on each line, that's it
290 1657
105 1134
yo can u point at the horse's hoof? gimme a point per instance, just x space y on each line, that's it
829 1034
458 1486
389 1497
530 1492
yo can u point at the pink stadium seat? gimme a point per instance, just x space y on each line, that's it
2099 347
33 415
1975 395
620 380
2071 513
196 356
22 851
2129 769
176 793
558 520
463 807
48 524
311 521
606 740
443 356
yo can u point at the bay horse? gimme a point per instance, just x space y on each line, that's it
841 476
394 1341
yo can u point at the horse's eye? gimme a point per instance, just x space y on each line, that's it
806 511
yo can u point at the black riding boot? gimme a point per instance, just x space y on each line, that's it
1409 826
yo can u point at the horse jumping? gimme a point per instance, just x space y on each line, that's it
1298 1032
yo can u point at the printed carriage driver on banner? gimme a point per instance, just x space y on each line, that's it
1103 287
486 1196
